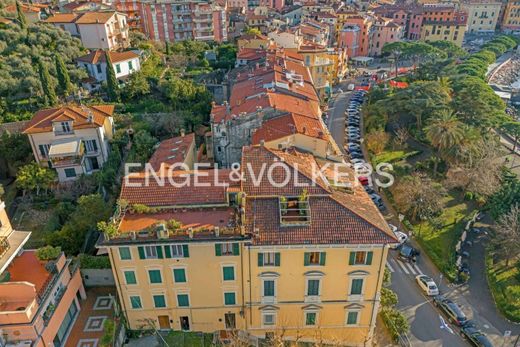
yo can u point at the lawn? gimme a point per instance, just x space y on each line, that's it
440 238
392 156
504 283
28 218
188 339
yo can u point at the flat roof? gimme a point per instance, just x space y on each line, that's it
16 240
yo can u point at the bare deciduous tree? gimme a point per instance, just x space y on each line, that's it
508 233
401 136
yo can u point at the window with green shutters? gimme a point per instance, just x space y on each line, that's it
130 277
176 251
228 248
179 275
135 302
313 287
229 298
150 252
360 258
352 317
159 301
269 259
124 253
183 300
155 276
314 258
228 273
310 318
268 288
357 286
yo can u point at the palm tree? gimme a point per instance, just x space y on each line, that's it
444 132
445 84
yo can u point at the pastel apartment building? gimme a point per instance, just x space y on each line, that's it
71 139
482 15
39 300
354 35
443 23
384 31
97 30
123 64
511 16
262 260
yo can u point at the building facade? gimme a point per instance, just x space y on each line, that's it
73 140
511 16
40 300
443 23
482 15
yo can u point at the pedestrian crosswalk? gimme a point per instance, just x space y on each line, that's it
408 268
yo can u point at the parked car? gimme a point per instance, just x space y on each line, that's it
356 155
451 310
408 253
369 190
472 333
358 161
427 284
401 237
363 180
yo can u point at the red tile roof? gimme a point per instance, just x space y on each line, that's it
62 18
172 151
27 268
95 17
99 56
42 120
289 124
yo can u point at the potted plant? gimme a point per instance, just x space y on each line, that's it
283 205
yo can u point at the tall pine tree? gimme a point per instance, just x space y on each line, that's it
112 85
63 76
22 21
49 92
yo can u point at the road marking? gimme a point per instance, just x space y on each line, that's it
401 265
417 269
390 267
412 270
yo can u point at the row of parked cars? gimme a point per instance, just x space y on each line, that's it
353 145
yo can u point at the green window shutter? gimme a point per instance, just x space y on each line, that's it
228 273
185 251
229 299
352 258
370 254
260 259
159 252
322 258
183 300
155 276
352 318
136 302
124 253
179 275
236 249
357 286
130 277
159 301
277 259
168 251
141 252
306 259
218 249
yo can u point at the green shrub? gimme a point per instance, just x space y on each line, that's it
396 322
388 297
48 253
94 262
108 337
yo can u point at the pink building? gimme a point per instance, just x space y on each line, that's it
354 35
409 17
39 300
383 31
174 20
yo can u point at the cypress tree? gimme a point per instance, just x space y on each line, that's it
112 85
167 48
63 75
21 16
49 91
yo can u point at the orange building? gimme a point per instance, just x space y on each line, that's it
38 299
354 35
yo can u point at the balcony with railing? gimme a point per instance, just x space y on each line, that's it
66 152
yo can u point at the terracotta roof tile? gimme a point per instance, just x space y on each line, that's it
62 18
289 124
99 56
172 151
95 17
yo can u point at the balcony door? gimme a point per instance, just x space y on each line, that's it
91 164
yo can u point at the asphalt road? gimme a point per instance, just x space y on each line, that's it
423 316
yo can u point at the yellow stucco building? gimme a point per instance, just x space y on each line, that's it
298 261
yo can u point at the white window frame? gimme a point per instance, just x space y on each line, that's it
129 250
305 318
226 248
185 275
148 269
89 147
135 274
165 300
176 253
356 296
266 255
358 311
224 298
154 251
269 313
268 299
313 298
177 299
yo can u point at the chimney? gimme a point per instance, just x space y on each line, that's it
183 132
262 143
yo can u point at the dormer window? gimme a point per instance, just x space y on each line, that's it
295 210
61 128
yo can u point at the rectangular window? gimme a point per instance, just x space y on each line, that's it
357 286
269 319
98 66
352 317
124 253
314 258
228 273
70 172
159 301
313 287
155 276
44 150
135 301
361 258
130 277
118 68
268 288
269 259
150 252
130 67
179 275
91 146
183 300
176 251
65 127
227 249
310 318
229 299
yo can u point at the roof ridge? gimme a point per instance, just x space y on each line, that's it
46 118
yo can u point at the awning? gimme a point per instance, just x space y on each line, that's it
65 148
363 59
15 240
